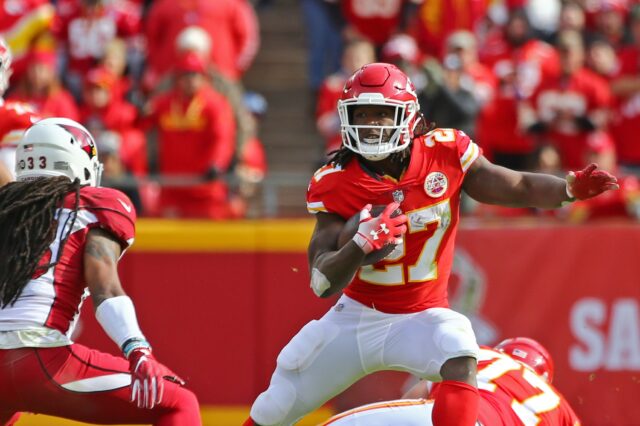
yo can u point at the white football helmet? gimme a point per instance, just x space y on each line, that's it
58 147
5 66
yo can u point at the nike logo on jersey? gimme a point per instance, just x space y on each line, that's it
126 206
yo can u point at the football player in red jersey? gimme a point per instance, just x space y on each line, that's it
514 381
394 314
61 235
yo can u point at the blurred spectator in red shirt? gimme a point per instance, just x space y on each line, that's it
231 24
85 28
22 23
356 54
196 39
626 88
376 21
436 19
514 48
196 137
457 86
41 88
104 110
573 109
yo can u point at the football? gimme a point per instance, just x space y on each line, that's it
351 227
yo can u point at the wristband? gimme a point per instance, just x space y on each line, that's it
117 316
133 344
362 242
570 195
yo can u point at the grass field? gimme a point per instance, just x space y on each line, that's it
211 416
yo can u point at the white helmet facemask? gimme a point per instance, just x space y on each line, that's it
58 147
387 139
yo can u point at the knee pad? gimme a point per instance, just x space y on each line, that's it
273 405
305 346
456 338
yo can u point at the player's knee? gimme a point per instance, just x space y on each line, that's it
272 407
305 346
462 369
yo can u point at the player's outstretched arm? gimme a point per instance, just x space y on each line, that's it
116 314
493 184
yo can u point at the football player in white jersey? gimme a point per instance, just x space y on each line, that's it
61 236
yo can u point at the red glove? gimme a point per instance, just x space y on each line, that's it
376 232
147 378
589 182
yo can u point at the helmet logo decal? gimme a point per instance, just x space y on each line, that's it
436 184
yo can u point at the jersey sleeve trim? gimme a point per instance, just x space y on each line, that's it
316 207
470 155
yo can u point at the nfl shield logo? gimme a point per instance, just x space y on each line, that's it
398 196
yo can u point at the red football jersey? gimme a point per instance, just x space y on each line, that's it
512 394
374 20
54 296
414 277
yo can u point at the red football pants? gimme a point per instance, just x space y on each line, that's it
86 385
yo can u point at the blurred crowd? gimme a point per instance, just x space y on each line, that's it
540 85
544 85
159 85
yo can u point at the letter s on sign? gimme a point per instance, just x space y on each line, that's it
586 316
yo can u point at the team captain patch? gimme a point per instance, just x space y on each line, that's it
435 185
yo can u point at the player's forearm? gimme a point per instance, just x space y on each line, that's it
337 267
542 191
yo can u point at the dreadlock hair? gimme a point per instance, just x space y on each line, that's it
28 225
343 155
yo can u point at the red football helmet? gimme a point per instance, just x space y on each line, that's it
379 84
530 352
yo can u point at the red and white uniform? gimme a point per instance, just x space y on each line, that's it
51 301
515 395
511 394
415 276
41 369
393 315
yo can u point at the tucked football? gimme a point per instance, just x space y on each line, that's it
351 227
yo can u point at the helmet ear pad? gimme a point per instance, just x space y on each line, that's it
58 147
